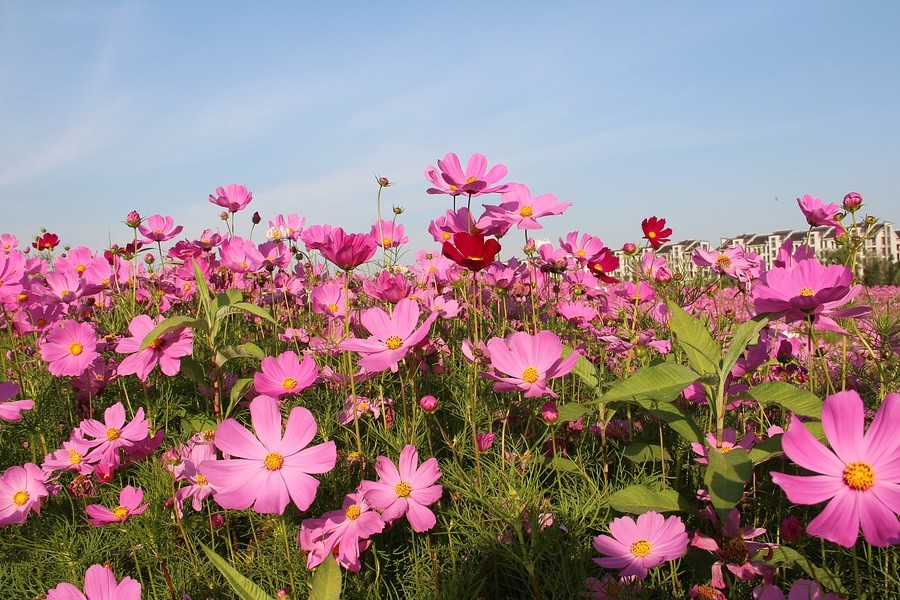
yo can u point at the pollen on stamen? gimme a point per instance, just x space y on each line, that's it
472 179
20 498
859 476
403 489
273 461
289 383
120 512
353 511
74 457
641 548
530 375
112 434
393 342
525 211
76 348
805 291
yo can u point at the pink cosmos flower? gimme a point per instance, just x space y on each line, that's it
344 532
330 298
347 250
818 213
802 589
99 584
291 225
729 443
860 474
269 469
406 489
582 251
21 490
808 290
393 335
12 411
637 547
476 179
166 350
129 505
388 234
525 362
734 549
70 348
113 434
240 255
159 229
285 375
233 196
71 457
521 209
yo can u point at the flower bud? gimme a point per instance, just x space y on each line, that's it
530 247
484 441
870 220
255 219
133 219
223 215
853 201
383 181
629 248
791 528
428 403
549 413
149 259
398 210
216 521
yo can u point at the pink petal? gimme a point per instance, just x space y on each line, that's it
879 523
300 430
420 518
809 490
266 418
881 440
808 452
839 522
234 439
843 421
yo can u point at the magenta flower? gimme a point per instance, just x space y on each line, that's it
388 234
524 362
285 375
818 213
70 349
159 229
735 549
393 335
344 532
166 350
521 209
233 196
860 475
582 251
347 250
808 290
269 469
476 179
406 489
113 434
21 490
99 584
129 505
637 547
12 411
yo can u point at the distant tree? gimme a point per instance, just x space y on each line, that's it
880 271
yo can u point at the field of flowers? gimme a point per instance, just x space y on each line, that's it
216 417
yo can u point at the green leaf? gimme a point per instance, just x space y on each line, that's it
192 369
240 388
202 286
326 583
166 326
247 350
785 556
641 452
584 369
197 424
661 382
765 450
244 588
746 333
794 399
566 465
726 475
702 351
676 418
638 499
571 411
255 310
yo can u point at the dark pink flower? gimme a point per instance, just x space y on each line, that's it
818 213
347 250
285 375
159 229
474 181
343 532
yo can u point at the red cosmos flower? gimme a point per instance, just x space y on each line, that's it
471 250
604 262
655 231
48 241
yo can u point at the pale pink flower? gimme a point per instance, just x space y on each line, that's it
166 350
113 433
70 348
525 362
159 229
818 213
637 547
268 469
474 181
393 335
21 490
343 532
129 505
233 196
285 375
12 411
388 234
405 489
99 584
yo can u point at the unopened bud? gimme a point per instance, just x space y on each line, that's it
853 201
428 403
549 413
629 248
133 219
255 219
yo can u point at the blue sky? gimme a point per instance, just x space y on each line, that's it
699 112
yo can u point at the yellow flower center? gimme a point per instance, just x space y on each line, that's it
274 461
393 342
155 344
387 242
363 406
80 269
289 383
333 307
707 592
403 489
859 476
120 512
21 497
201 480
525 211
446 236
75 349
352 512
40 322
580 253
472 179
641 548
530 375
74 457
723 261
453 188
612 590
112 434
805 291
64 293
651 235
